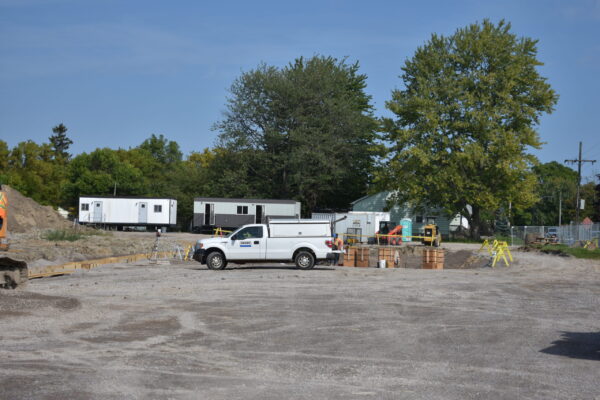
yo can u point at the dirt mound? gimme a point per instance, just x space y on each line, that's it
464 259
25 214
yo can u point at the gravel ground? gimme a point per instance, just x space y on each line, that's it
180 331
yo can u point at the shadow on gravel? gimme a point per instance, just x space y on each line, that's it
319 268
583 345
248 267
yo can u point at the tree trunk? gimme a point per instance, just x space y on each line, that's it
475 223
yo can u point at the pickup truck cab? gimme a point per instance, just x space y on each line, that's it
304 242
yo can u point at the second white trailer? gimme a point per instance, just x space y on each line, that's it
128 211
210 212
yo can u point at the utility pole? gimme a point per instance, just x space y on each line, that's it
579 161
559 209
115 190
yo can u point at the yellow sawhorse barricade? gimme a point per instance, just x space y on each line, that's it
498 250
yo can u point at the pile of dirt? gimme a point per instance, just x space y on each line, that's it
464 259
25 214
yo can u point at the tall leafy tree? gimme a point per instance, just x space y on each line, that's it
97 172
466 121
32 170
4 153
589 195
60 142
305 131
556 184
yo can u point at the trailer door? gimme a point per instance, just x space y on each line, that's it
97 213
209 214
260 211
143 213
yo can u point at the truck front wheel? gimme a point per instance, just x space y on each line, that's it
304 260
216 261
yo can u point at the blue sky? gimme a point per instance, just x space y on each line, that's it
116 71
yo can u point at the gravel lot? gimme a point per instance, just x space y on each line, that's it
184 332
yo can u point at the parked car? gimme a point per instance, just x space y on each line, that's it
552 235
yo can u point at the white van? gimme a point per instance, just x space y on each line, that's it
305 242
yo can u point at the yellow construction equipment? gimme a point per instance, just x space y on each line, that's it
432 235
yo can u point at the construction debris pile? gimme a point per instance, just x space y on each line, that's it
411 257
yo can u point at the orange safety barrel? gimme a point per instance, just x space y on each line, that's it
3 214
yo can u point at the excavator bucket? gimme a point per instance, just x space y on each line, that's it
13 273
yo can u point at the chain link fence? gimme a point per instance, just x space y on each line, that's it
566 234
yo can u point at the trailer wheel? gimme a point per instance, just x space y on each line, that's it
216 261
304 260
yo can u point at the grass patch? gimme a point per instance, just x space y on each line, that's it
69 235
577 252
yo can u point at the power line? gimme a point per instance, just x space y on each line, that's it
591 149
579 161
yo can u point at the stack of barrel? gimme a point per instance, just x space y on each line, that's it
433 259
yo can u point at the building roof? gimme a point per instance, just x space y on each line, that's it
128 197
227 200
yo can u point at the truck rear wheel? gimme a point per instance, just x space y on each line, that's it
216 261
304 260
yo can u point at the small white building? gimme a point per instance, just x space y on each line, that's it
211 212
127 211
363 224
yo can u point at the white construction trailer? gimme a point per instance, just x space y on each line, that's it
120 212
211 212
361 224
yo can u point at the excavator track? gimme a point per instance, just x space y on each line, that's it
13 273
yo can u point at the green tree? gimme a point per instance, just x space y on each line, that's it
97 172
589 195
60 142
304 131
466 120
556 184
32 171
164 151
4 153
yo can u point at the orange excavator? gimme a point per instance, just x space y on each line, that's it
13 273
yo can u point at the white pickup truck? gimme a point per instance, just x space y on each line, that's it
305 242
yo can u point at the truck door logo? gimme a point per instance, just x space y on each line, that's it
246 244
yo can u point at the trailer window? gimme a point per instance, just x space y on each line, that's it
242 210
157 208
419 219
85 207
